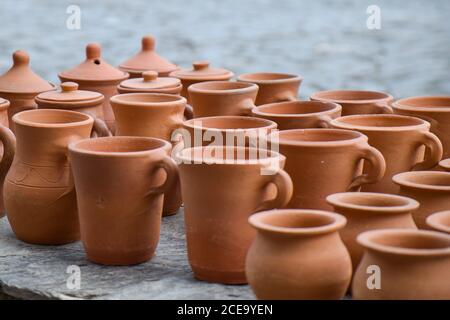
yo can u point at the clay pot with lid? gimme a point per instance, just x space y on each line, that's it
297 255
147 60
151 83
430 188
299 114
357 101
445 164
368 211
413 265
401 140
440 221
20 85
273 87
7 151
95 74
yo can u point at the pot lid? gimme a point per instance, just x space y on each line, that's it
202 71
148 59
69 93
94 68
150 80
20 78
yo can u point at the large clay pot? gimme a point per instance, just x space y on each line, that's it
298 254
4 105
326 161
39 193
273 87
222 98
440 221
299 114
7 150
120 183
412 264
150 83
401 140
445 164
430 188
222 187
357 101
95 74
368 211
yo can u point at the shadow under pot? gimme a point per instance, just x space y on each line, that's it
273 87
357 101
368 211
150 83
299 114
403 265
401 139
39 193
439 221
297 255
7 151
445 164
325 161
230 185
430 188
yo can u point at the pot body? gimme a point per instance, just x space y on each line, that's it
18 102
7 151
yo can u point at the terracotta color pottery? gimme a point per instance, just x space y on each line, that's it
4 105
222 187
200 72
401 140
368 211
357 101
430 188
298 254
95 74
7 150
445 164
147 60
120 183
39 193
326 161
439 221
413 265
20 85
435 110
150 83
299 114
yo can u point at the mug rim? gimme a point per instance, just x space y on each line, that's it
199 87
401 104
17 118
122 99
318 96
285 77
269 124
405 179
258 110
341 123
434 222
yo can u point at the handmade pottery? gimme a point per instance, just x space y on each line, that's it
147 60
95 74
401 140
430 188
440 221
273 87
120 183
4 105
325 161
7 150
299 114
222 187
411 264
357 101
39 193
200 72
150 83
297 255
445 164
20 85
368 211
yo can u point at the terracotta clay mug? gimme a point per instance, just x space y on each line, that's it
231 183
412 265
120 222
298 254
440 221
430 188
4 106
299 114
368 211
7 150
39 193
401 140
222 98
326 161
273 87
357 101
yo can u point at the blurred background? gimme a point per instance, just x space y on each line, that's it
325 41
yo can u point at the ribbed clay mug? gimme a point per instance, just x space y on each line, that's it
7 151
440 221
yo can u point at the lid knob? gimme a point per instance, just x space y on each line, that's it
69 86
148 43
93 51
200 65
20 57
150 75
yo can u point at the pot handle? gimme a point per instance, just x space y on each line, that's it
385 107
9 149
376 170
100 129
172 175
324 121
284 185
188 112
432 158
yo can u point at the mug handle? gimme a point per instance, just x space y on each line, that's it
100 129
324 121
431 142
9 149
171 169
385 107
285 188
188 112
376 170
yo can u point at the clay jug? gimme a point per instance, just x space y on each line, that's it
7 150
222 98
297 255
150 83
39 193
368 211
299 114
412 264
4 105
231 183
357 101
401 140
430 188
326 161
445 164
120 183
439 221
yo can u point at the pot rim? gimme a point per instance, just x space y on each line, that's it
445 164
285 77
4 104
401 104
340 123
319 96
434 222
87 118
404 180
122 99
241 87
267 124
259 110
